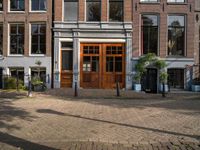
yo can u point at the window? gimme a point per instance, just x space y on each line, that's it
149 34
38 5
176 78
1 39
149 1
38 39
67 60
93 10
70 10
17 39
17 73
39 73
1 5
176 1
116 10
17 5
176 35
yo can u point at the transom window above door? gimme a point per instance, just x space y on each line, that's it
38 5
17 5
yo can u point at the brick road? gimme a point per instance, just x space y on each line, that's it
54 120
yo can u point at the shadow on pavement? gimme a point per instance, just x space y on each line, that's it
21 143
117 123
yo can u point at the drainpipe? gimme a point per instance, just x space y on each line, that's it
52 44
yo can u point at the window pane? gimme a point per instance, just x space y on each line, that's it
38 5
71 10
1 5
116 10
16 39
109 64
176 35
38 38
93 10
118 64
17 5
1 39
67 60
149 37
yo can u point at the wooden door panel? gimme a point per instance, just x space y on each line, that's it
66 79
66 68
104 77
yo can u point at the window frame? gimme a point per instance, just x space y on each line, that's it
1 52
149 2
175 2
86 9
9 38
36 11
2 6
108 14
30 36
63 11
185 36
141 32
15 11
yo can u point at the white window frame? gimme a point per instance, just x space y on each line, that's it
37 11
30 39
16 11
8 46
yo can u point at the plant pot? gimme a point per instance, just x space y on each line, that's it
137 87
38 88
196 88
166 88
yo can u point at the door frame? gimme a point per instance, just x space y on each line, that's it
102 62
66 71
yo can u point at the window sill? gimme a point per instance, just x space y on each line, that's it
38 11
37 55
18 12
15 55
150 3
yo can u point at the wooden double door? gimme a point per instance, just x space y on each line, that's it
102 65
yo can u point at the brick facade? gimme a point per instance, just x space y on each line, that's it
26 18
163 9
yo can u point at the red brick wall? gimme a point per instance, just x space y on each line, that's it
163 9
26 18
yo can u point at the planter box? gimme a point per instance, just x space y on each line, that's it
137 87
166 88
38 88
196 88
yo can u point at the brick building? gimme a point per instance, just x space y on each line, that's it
165 28
197 39
98 42
25 38
93 43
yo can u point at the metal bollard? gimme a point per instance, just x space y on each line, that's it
17 82
118 88
75 90
29 87
163 92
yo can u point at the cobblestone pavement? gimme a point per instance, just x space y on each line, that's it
57 120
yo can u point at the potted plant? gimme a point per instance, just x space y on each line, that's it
37 84
196 85
163 82
137 85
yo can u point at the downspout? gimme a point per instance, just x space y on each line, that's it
52 45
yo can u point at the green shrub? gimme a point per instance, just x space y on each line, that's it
11 83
